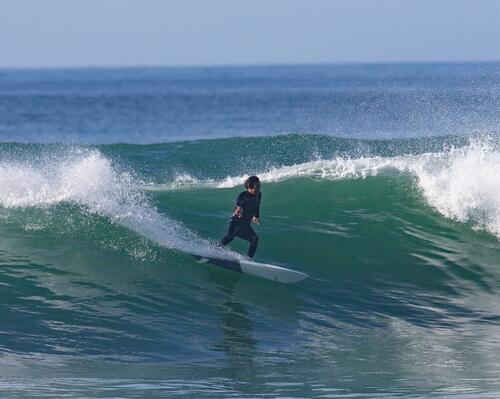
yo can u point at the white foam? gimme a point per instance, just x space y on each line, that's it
181 180
464 184
87 178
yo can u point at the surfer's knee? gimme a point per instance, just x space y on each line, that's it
226 240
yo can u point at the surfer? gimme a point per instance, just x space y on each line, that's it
245 212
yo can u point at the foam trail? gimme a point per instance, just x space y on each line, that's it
88 179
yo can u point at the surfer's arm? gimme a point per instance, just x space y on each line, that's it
238 210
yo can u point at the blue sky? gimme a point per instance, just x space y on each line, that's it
64 33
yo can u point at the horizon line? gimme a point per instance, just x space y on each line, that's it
251 65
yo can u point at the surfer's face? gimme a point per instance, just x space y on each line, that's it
254 190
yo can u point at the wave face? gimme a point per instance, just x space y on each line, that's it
401 238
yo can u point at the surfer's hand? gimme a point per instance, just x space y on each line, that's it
237 212
256 220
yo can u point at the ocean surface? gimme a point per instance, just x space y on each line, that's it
382 182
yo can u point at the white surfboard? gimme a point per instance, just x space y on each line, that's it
263 270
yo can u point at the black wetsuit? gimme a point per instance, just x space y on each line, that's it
240 226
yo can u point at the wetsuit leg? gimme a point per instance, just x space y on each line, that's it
231 233
248 234
254 241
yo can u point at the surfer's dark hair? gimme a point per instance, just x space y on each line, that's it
252 182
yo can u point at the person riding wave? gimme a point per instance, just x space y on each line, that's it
246 211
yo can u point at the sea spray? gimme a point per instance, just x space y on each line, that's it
88 179
463 184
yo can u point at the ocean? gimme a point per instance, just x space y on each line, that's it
379 181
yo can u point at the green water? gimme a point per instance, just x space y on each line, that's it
99 298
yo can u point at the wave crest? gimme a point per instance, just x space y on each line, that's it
89 179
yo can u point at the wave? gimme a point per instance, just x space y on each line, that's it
461 183
88 179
